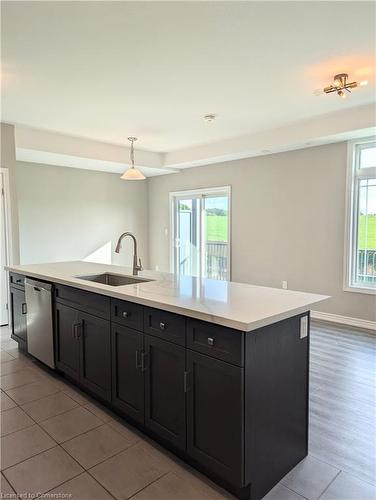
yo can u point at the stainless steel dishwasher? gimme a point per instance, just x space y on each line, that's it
40 340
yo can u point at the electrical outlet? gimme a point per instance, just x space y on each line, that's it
284 285
303 327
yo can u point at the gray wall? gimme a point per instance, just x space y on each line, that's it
288 219
68 213
8 160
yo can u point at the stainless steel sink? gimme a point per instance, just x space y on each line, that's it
113 279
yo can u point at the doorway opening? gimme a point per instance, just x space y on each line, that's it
200 233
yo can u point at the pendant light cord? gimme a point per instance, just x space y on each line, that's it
131 140
132 152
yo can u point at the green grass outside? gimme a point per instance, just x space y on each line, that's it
216 230
216 227
371 236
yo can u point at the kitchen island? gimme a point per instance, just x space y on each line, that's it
215 371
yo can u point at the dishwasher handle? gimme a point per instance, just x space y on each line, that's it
38 286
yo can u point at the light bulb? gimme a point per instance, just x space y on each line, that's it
342 94
338 83
363 83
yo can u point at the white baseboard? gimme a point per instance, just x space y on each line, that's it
344 320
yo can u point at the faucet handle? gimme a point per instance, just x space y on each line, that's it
139 265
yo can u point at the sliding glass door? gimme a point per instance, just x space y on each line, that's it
200 233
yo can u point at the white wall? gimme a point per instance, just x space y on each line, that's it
287 222
67 214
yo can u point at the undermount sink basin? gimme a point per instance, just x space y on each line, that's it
114 279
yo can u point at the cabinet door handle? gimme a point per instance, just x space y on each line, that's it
76 327
126 314
80 330
138 364
210 341
186 388
24 308
162 326
143 361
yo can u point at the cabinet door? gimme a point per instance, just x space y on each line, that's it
127 376
67 342
215 416
95 354
18 315
165 390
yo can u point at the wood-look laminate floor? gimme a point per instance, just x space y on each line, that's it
343 398
86 452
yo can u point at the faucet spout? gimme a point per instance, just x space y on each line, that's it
136 266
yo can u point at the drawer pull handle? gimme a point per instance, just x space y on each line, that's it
125 314
210 341
162 326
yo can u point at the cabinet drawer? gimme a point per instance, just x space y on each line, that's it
217 341
165 325
92 303
17 280
127 314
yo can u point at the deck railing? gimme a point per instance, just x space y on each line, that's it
367 266
216 261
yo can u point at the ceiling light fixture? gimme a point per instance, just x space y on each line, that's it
341 85
132 174
210 118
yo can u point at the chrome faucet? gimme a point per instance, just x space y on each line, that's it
136 267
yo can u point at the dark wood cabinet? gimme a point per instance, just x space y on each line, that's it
216 341
215 419
127 314
91 303
18 312
232 404
17 280
95 354
127 372
276 402
165 390
83 349
66 340
165 325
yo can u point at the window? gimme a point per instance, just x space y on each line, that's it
200 233
361 220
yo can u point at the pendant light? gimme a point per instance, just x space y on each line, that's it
132 174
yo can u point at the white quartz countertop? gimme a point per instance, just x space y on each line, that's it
236 305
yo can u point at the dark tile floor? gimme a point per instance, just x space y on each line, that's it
56 439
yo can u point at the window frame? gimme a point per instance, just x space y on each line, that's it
197 193
352 213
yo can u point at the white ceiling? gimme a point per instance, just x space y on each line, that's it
109 70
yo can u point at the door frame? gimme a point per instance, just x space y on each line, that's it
5 194
196 193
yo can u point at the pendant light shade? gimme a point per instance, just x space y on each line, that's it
132 174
